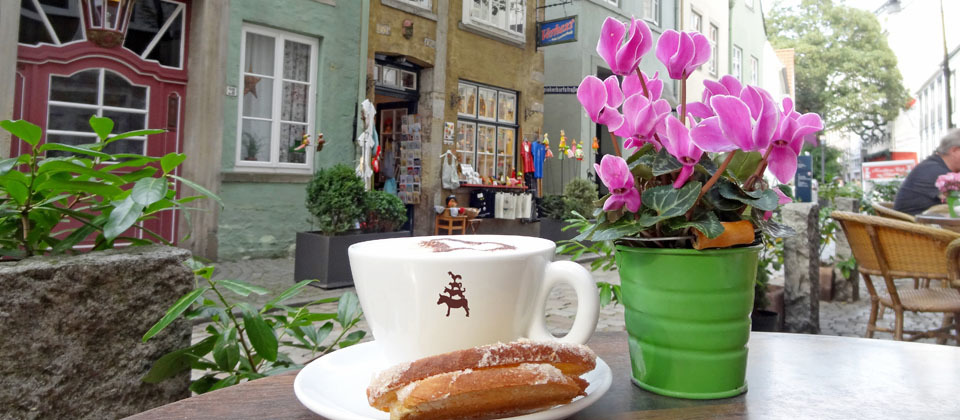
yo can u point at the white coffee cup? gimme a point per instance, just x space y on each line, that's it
484 289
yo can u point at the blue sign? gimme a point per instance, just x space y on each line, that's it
803 192
557 31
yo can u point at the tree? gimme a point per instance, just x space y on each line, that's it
832 164
845 71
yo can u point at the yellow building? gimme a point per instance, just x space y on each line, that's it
471 73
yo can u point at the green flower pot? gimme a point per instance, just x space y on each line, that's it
953 201
688 318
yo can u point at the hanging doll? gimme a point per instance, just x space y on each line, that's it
367 142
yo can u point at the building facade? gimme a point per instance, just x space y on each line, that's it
711 18
932 109
567 64
234 83
458 76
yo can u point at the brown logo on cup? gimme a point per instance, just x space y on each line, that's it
454 295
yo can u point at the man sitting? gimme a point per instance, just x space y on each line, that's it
919 191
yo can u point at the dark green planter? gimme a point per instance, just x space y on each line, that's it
688 318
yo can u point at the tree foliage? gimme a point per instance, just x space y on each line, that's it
845 70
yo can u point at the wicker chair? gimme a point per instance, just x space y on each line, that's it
885 209
896 249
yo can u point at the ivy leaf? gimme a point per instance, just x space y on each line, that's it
147 191
261 335
170 161
24 130
762 199
743 164
707 223
102 126
124 215
670 202
660 162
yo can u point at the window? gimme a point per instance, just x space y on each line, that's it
754 71
394 77
423 4
487 129
696 21
737 63
277 105
155 31
651 11
505 18
100 92
614 3
714 39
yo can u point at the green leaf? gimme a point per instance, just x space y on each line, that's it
761 199
125 213
198 188
287 294
619 229
348 308
660 163
225 382
713 198
743 164
81 187
7 164
670 202
241 288
203 384
170 161
605 294
138 133
177 361
74 149
226 351
260 335
617 293
24 130
352 338
149 190
56 166
178 308
17 190
321 333
102 126
707 223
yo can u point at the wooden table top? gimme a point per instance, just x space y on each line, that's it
790 376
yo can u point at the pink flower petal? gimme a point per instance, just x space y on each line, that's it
676 137
768 121
683 176
667 47
611 118
614 95
631 85
783 163
734 120
654 86
614 202
709 137
629 55
611 36
679 61
701 52
592 95
732 84
632 200
699 110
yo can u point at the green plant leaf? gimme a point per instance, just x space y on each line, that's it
226 351
241 288
670 202
225 382
149 190
660 163
203 384
55 166
74 149
348 308
320 334
178 308
102 126
17 190
198 188
177 361
743 164
7 164
761 199
261 335
24 130
138 133
170 161
125 213
352 338
81 187
605 293
707 223
287 294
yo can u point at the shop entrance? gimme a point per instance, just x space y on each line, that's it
603 137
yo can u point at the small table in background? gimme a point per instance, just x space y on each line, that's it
945 222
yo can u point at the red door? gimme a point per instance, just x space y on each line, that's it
63 79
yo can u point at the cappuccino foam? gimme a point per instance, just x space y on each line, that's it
464 245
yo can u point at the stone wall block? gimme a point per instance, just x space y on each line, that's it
70 330
845 289
802 269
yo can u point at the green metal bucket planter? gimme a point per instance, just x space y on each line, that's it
688 318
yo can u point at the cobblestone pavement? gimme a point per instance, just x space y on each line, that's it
276 275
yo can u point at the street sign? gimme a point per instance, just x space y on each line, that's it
803 193
559 90
557 31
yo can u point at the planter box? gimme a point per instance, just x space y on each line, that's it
324 258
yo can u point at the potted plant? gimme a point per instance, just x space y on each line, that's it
578 196
339 205
250 146
686 201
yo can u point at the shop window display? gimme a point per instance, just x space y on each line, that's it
487 130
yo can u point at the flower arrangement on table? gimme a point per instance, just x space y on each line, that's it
949 186
692 178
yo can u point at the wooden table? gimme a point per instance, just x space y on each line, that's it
790 376
945 222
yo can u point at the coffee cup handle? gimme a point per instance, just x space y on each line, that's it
588 302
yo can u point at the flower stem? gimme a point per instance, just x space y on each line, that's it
748 186
646 92
616 147
683 100
713 180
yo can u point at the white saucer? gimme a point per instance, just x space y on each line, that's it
335 385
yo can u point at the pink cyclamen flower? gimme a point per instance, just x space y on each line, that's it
789 139
682 52
600 99
632 85
747 122
676 139
781 200
615 174
641 117
728 85
623 58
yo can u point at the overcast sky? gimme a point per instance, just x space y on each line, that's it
914 34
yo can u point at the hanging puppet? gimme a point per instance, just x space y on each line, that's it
367 142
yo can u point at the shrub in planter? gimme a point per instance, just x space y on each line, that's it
552 207
579 196
384 212
335 199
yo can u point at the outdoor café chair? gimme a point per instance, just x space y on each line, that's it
897 249
885 209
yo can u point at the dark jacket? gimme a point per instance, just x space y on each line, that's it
919 191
